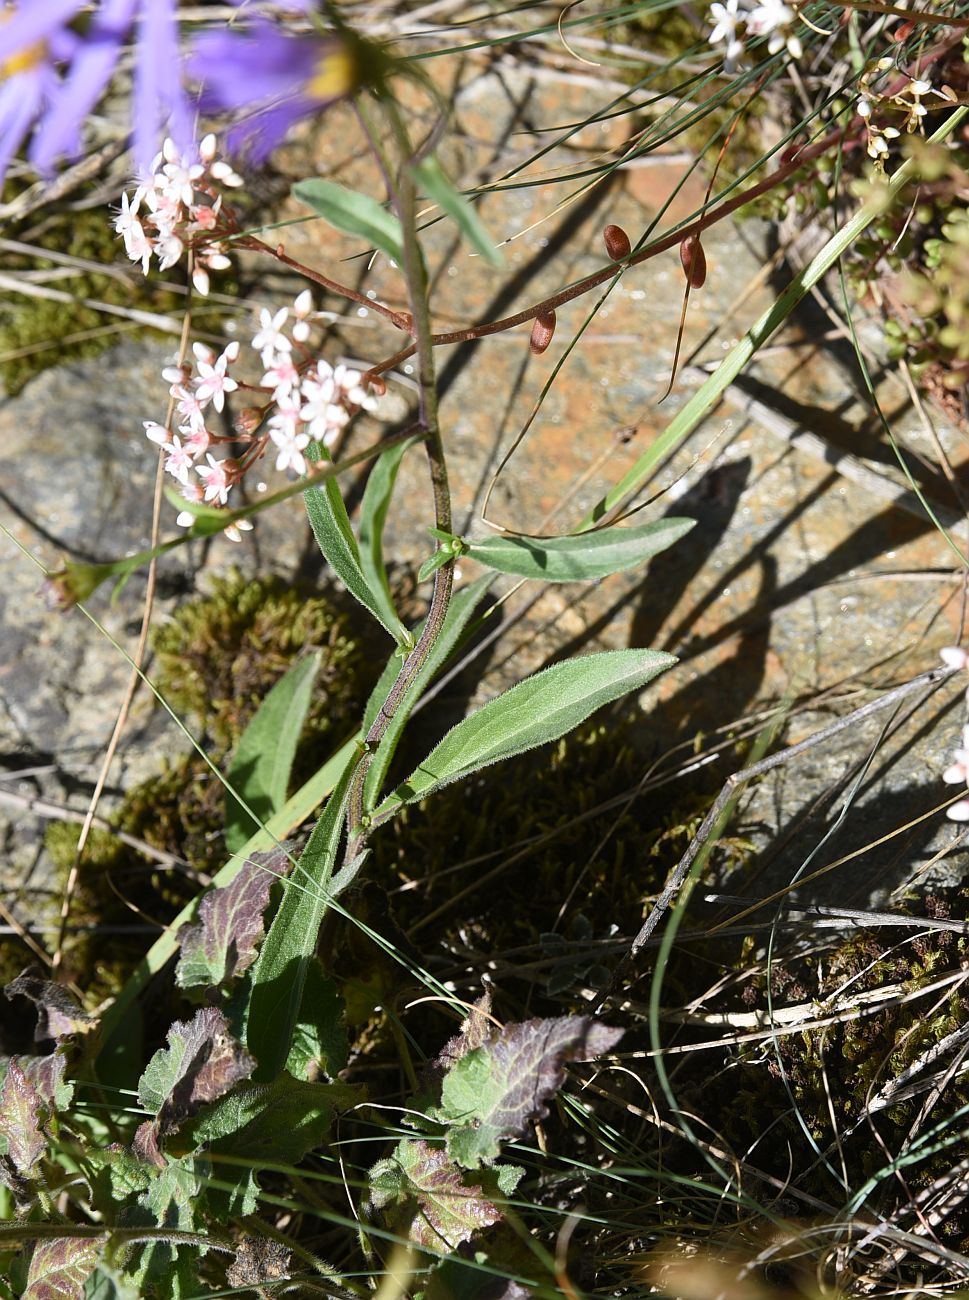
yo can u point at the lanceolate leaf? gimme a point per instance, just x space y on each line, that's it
260 770
60 1267
580 557
438 187
223 942
462 606
280 973
536 711
373 515
354 214
497 1090
331 528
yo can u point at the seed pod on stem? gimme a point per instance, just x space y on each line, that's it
694 261
617 243
542 331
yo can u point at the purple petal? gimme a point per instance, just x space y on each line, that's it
236 69
34 23
158 84
60 132
21 99
257 135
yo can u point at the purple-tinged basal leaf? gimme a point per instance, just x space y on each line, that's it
476 1028
436 1208
46 1073
20 1119
224 941
59 1014
496 1091
200 1064
60 1267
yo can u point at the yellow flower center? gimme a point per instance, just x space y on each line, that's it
23 60
335 75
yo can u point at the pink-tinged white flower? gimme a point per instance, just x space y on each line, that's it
291 447
302 310
191 492
216 479
727 19
214 384
197 440
203 352
775 19
282 376
178 462
168 250
157 433
234 531
180 174
953 656
189 408
270 340
348 385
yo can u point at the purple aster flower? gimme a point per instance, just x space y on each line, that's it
158 94
28 84
279 79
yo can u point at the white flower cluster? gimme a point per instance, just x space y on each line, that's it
310 401
906 106
734 21
177 206
957 773
316 403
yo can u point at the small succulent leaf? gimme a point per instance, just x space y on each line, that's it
537 710
320 1041
463 604
449 1210
59 1014
438 187
224 941
263 761
201 1063
107 1284
330 522
21 1112
496 1091
279 975
581 557
373 515
60 1266
354 214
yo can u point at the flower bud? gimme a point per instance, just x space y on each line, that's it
248 420
542 331
617 243
694 261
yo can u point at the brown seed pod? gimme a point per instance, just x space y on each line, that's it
694 261
542 331
617 243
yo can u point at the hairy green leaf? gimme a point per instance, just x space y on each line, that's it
263 760
354 214
280 973
580 557
438 187
536 711
331 527
320 1042
373 515
497 1090
224 941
